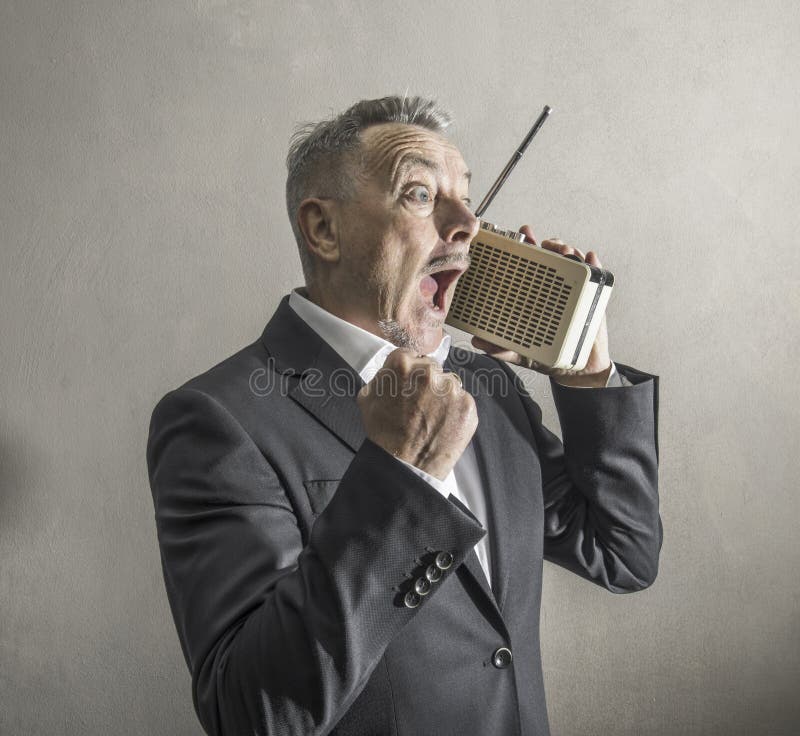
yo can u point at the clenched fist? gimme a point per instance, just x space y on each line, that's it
418 413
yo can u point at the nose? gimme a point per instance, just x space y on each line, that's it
457 223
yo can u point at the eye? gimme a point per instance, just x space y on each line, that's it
421 194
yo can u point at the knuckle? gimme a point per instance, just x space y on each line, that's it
419 373
401 357
467 404
447 382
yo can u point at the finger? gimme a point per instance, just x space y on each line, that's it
432 369
575 254
445 383
495 351
401 358
481 344
527 231
593 260
455 381
401 353
427 364
535 365
490 347
556 245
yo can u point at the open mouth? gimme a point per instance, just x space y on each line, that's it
434 287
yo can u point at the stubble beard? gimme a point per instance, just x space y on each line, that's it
396 334
402 336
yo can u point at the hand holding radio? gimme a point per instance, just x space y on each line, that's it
417 412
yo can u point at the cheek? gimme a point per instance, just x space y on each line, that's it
392 270
398 255
392 264
406 257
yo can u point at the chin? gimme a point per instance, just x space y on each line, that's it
420 325
431 335
422 335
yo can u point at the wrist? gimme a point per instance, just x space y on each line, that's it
436 467
432 464
585 380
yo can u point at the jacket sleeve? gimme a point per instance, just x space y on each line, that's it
281 637
600 487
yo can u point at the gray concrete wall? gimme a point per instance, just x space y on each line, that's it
144 238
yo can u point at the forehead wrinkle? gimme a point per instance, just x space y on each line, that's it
403 146
410 161
388 155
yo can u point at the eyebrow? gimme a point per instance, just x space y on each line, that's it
412 160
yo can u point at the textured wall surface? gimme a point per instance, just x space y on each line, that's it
144 238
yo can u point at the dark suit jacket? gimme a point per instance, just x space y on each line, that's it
288 542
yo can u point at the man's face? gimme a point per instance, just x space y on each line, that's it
405 234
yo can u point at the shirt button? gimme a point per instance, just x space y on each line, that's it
444 560
501 658
422 586
412 599
433 573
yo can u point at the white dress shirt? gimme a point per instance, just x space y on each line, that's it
366 353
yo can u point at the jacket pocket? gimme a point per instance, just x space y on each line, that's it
319 493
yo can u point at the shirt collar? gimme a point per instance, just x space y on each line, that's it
364 352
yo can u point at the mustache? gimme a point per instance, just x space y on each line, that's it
450 259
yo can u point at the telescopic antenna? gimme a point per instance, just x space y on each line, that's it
512 162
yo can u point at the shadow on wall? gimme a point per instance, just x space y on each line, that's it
19 466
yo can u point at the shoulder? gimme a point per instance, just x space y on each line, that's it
223 389
230 381
234 382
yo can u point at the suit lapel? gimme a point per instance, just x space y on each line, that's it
319 378
493 453
492 457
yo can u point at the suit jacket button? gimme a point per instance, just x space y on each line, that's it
444 560
501 658
422 586
412 599
433 573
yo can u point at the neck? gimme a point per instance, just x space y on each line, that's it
346 312
388 330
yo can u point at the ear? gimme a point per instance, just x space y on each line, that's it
317 221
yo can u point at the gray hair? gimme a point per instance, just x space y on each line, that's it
322 155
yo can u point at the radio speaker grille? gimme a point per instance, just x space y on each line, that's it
513 297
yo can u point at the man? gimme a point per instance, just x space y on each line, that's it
352 519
